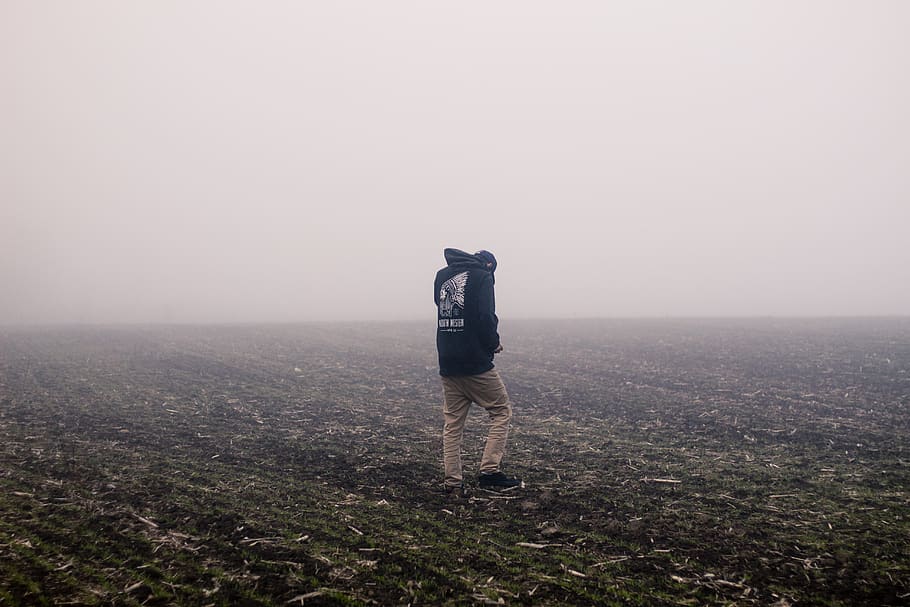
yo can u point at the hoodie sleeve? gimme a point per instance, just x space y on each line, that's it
486 311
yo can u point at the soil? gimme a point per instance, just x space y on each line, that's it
711 462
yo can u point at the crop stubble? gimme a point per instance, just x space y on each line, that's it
666 462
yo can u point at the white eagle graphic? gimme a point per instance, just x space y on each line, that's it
451 294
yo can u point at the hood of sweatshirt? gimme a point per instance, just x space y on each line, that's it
459 258
479 260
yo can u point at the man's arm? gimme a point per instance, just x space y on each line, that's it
489 323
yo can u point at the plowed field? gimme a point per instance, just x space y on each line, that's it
734 462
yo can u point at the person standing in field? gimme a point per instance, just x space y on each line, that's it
467 339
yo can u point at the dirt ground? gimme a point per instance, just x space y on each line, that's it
726 462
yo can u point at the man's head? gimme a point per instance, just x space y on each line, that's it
489 261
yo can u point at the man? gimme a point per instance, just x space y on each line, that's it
467 339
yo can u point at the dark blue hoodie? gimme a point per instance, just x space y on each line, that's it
466 327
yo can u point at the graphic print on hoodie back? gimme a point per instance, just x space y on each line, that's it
451 303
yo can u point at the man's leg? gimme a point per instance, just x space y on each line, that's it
455 411
488 391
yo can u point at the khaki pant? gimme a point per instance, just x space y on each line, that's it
488 391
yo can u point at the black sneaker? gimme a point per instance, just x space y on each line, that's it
498 480
456 491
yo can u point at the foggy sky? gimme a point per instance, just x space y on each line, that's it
203 161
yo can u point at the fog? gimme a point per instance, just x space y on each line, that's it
205 161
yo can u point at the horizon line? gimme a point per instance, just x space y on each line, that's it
389 321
